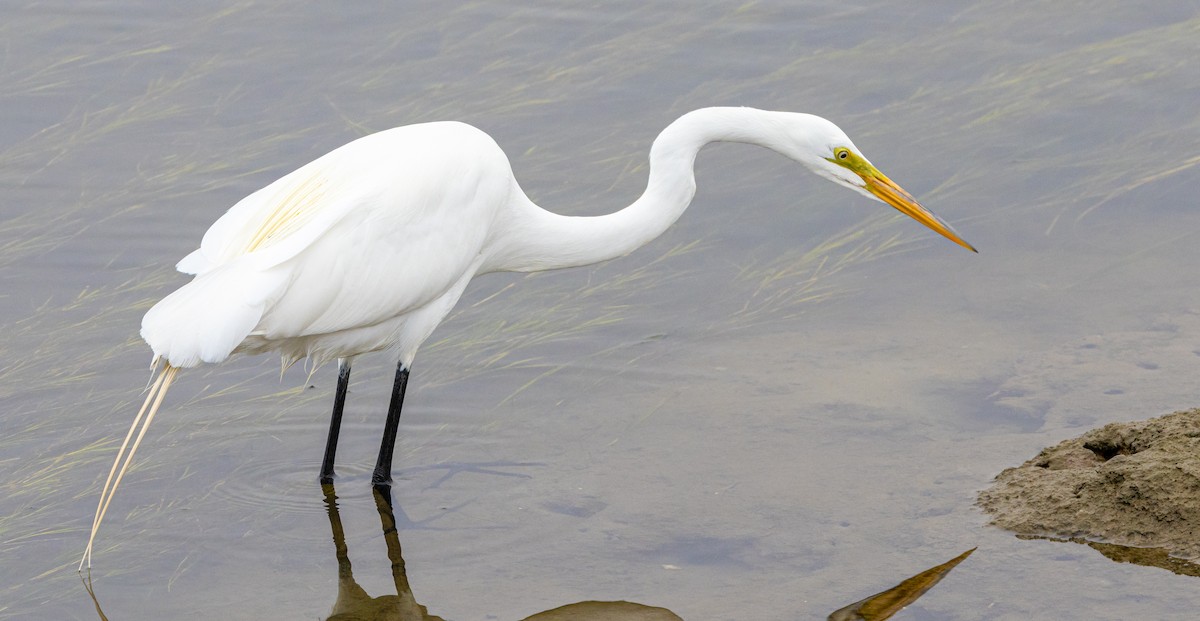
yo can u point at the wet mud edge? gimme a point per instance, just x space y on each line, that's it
1132 484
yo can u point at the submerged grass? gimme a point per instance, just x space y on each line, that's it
120 130
57 378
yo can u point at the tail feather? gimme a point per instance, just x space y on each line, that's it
154 399
206 319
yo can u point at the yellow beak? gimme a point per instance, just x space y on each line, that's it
894 195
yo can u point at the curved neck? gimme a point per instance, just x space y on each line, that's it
540 240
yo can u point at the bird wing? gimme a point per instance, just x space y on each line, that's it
277 221
237 267
369 233
235 282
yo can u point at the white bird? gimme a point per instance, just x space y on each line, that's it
368 247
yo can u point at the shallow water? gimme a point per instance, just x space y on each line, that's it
786 403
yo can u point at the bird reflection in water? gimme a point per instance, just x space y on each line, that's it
354 603
883 605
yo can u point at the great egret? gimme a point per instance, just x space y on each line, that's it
368 248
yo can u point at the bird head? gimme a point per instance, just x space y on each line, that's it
829 152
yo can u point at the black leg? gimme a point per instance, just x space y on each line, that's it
383 465
335 420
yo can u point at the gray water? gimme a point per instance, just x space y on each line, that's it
786 403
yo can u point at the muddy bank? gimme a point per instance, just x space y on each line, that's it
1132 484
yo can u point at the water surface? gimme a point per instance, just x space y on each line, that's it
785 403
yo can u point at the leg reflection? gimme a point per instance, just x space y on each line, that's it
353 602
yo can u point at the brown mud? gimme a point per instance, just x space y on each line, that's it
1133 484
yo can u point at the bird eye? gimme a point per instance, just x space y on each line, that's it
843 154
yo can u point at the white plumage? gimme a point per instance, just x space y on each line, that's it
341 256
370 246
